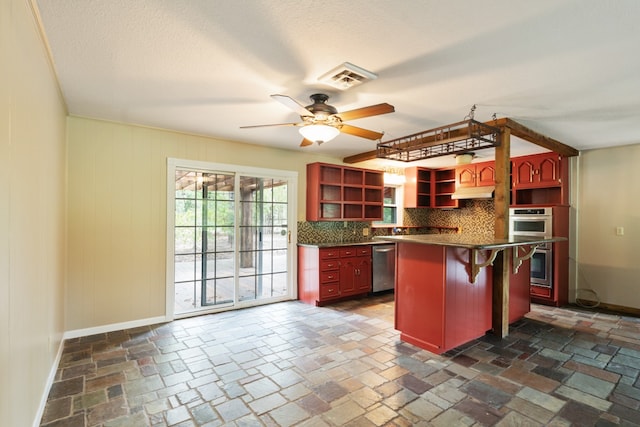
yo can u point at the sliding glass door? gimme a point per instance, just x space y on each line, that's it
231 239
264 237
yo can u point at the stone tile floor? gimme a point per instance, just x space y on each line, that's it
293 364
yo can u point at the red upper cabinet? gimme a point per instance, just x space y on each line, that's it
417 187
540 179
540 170
429 188
486 174
343 193
444 185
466 176
476 175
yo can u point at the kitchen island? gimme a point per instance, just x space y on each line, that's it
444 285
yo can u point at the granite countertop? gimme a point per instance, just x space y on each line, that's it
469 242
338 244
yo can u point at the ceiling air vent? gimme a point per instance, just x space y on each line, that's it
346 76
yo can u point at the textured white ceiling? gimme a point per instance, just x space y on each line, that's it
569 69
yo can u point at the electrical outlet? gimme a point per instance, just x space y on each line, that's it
619 231
365 232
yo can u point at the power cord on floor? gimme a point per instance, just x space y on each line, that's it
587 303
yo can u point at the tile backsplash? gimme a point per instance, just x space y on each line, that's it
474 217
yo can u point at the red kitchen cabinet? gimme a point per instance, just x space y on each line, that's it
429 188
339 193
540 170
476 175
444 185
329 274
540 179
355 271
417 187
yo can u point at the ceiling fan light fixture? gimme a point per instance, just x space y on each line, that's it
319 133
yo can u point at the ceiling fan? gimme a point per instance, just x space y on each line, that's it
322 122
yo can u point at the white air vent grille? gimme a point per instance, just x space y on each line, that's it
346 76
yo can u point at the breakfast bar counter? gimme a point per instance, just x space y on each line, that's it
444 285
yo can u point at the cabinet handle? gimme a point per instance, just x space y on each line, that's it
329 277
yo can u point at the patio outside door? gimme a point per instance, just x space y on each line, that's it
231 240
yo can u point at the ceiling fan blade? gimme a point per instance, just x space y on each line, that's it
291 103
275 124
372 110
305 143
363 133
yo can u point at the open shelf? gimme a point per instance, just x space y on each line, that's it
343 193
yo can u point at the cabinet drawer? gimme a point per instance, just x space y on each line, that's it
328 291
328 265
329 276
363 250
540 291
347 252
329 253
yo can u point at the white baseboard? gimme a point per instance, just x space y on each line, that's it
83 333
77 333
48 384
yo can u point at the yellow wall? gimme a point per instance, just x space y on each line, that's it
32 213
117 213
608 197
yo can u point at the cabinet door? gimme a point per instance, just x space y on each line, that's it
549 171
347 276
523 173
466 176
363 275
540 170
485 174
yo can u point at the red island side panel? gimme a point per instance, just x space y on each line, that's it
437 308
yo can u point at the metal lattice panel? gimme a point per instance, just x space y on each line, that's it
456 138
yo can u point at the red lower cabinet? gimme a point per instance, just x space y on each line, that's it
332 273
437 308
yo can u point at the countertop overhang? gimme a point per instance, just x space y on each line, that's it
476 244
470 242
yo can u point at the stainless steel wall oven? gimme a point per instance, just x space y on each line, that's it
535 222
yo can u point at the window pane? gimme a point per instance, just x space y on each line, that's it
389 196
389 215
185 213
185 240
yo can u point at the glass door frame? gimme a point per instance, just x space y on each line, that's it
174 164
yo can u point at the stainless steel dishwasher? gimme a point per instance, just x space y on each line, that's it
384 267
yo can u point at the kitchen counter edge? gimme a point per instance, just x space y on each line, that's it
469 242
341 244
